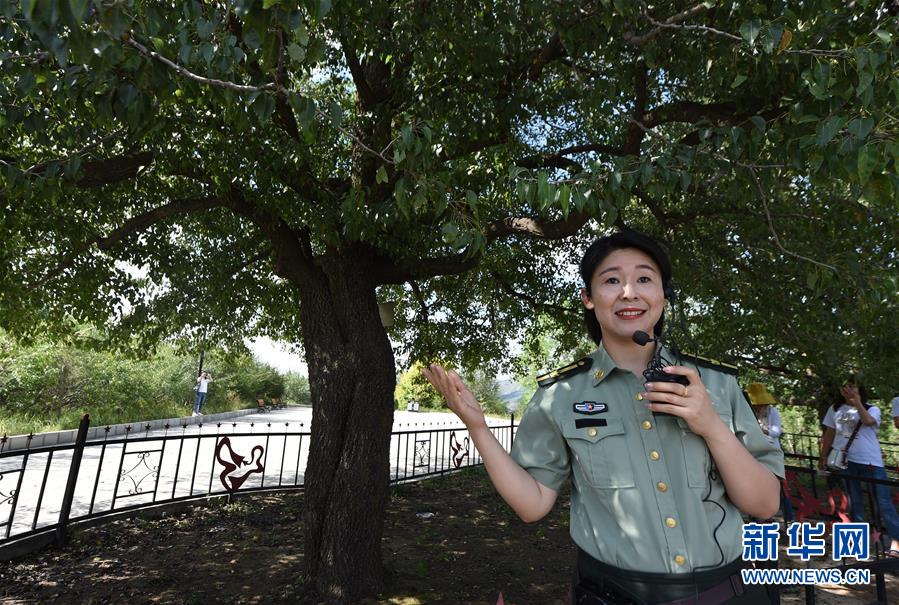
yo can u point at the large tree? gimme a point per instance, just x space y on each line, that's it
211 169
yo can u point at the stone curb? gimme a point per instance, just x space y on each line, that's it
98 433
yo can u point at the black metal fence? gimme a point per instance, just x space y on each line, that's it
817 495
43 489
808 445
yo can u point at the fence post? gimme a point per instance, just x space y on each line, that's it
511 429
69 494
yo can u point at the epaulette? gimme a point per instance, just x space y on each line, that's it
710 363
581 365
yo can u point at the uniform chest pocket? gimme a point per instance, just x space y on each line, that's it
697 458
600 454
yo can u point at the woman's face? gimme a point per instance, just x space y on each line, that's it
626 294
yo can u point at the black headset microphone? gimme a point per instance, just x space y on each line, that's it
642 338
654 371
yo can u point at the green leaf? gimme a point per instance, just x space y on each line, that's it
772 38
207 51
322 8
860 127
749 30
301 34
204 29
865 164
883 35
304 108
565 197
78 8
297 53
758 122
829 129
267 4
336 112
381 175
264 107
739 79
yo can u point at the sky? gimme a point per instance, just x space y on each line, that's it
277 354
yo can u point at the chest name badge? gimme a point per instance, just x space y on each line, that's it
590 407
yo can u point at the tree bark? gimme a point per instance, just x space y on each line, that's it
352 380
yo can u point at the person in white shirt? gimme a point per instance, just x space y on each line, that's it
864 457
896 412
769 420
203 381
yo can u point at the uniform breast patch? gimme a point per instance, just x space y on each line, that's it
590 407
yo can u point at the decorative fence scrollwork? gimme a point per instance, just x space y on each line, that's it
44 488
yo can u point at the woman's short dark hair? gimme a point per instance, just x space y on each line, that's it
601 248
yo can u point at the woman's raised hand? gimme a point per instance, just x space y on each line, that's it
458 396
692 403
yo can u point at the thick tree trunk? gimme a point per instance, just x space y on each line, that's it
352 380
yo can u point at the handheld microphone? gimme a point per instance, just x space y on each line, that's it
654 372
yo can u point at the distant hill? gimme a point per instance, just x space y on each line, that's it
510 392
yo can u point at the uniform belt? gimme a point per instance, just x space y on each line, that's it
711 587
720 593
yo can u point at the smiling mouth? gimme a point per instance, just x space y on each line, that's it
630 314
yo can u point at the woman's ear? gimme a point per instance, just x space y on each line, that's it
585 298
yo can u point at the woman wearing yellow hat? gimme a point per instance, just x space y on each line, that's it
769 420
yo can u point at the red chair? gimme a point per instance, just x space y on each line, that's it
806 504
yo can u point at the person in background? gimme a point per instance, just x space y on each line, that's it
895 410
769 420
849 412
203 381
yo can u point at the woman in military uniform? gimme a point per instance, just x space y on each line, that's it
660 471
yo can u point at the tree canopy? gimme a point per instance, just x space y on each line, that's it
221 168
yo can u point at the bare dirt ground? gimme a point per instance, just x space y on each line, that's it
250 551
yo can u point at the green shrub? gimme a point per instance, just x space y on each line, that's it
47 386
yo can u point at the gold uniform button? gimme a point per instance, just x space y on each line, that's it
680 560
663 487
591 432
671 521
599 374
647 424
638 397
654 455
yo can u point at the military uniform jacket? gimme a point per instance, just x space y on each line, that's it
645 494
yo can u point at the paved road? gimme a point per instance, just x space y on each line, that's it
262 450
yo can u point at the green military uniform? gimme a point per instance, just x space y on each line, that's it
639 481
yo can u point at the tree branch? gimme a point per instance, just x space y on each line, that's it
533 302
634 136
552 51
696 9
366 94
293 252
537 229
153 55
113 170
271 87
558 159
131 227
688 111
399 272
